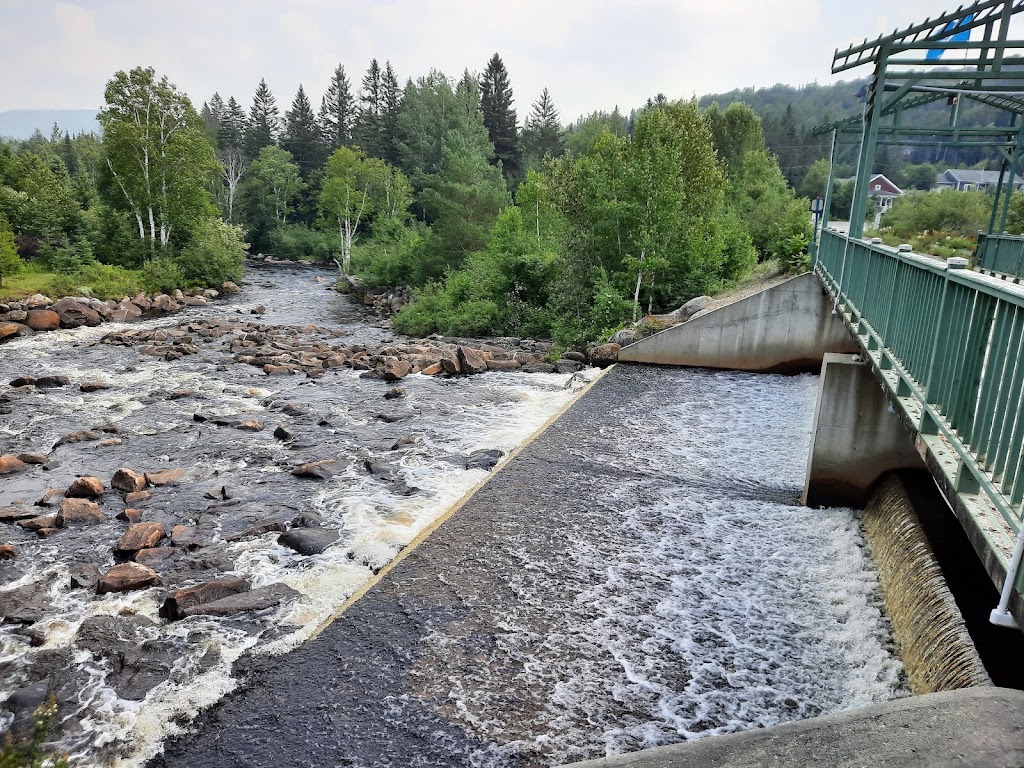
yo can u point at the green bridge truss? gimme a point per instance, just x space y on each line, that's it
947 343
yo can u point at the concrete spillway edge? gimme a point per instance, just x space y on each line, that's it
448 513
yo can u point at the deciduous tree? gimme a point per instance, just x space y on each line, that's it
158 154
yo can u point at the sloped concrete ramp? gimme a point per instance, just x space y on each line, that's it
786 328
968 728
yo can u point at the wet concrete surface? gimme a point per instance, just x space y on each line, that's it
379 688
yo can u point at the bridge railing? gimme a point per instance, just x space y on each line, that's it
1003 254
956 341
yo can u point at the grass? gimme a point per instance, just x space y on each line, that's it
27 282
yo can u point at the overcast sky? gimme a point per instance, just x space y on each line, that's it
591 54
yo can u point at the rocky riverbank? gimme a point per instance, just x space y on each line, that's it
181 490
41 313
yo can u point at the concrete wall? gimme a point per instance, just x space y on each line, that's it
786 328
857 436
969 728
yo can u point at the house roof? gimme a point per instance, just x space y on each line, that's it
888 187
969 176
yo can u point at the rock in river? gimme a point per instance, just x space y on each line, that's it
141 536
308 541
184 602
127 481
80 511
127 577
85 488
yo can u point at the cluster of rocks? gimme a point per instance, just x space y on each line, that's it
41 313
309 350
387 300
652 324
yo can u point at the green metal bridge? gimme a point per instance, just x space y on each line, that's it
946 342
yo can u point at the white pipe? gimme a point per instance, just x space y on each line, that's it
1001 615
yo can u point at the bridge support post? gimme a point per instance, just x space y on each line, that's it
857 436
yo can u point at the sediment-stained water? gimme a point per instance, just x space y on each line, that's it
124 677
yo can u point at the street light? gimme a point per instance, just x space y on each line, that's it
817 208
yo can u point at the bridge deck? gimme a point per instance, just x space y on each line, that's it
948 346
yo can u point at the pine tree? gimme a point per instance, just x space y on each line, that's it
542 132
499 116
368 131
232 125
263 124
391 98
302 134
337 112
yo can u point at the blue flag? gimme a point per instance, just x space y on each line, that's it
936 53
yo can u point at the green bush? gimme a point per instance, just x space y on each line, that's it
957 213
214 254
100 281
30 751
162 275
297 241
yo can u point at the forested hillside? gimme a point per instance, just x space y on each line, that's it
499 228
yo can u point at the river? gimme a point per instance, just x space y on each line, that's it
698 598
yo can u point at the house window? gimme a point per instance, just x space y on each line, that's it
878 187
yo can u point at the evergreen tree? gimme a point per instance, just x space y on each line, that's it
232 125
262 126
542 132
302 134
499 116
368 129
391 97
337 112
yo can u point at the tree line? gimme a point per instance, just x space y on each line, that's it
539 229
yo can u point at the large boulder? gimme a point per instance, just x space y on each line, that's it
626 336
127 577
9 330
74 314
396 370
692 307
42 320
9 464
128 481
141 536
85 488
604 355
470 360
308 541
188 601
80 511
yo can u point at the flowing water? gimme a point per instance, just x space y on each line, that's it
715 602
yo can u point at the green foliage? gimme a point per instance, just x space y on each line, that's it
268 192
735 132
963 213
71 258
774 217
101 281
215 253
297 241
10 262
462 200
582 135
162 275
396 255
158 154
30 751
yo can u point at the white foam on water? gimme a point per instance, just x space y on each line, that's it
693 611
493 411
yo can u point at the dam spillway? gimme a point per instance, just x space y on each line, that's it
641 574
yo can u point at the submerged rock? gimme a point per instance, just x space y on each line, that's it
185 602
308 541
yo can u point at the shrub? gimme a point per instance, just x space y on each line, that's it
30 751
215 253
162 275
101 281
297 241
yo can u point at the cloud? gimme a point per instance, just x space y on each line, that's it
591 54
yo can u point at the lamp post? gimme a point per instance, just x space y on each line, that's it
817 208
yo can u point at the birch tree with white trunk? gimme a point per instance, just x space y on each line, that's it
158 155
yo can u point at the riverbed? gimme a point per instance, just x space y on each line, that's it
694 596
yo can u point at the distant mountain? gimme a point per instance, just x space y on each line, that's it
21 123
